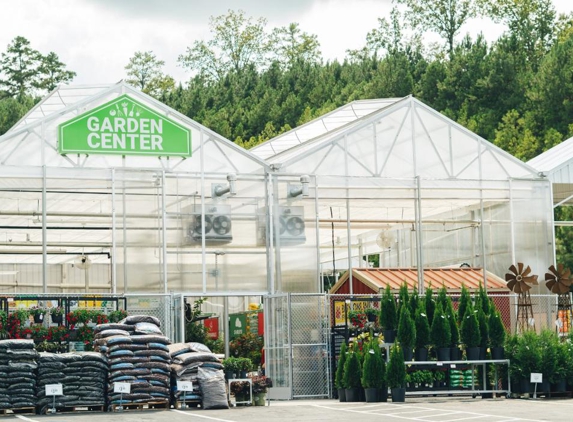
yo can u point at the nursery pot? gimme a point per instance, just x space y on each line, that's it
260 399
421 354
398 395
371 395
482 353
371 317
383 394
559 387
455 353
389 336
243 374
444 353
39 318
352 394
57 319
497 353
408 353
525 386
229 375
472 353
342 394
544 387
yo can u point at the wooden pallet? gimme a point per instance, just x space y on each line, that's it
18 411
152 405
188 403
74 409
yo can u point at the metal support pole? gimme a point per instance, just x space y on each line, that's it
163 232
124 233
348 230
203 245
419 240
113 236
226 338
44 234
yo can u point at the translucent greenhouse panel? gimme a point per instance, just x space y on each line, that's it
431 157
398 162
465 154
498 238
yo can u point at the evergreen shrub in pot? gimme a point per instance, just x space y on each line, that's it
372 376
352 375
339 375
440 333
396 374
471 334
422 333
496 334
406 333
388 315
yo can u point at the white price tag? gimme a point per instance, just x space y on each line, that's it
54 390
439 364
122 387
453 365
536 377
184 386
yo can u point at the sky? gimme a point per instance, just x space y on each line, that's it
96 38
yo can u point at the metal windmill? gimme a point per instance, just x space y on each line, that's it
558 281
520 281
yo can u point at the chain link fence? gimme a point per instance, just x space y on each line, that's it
158 306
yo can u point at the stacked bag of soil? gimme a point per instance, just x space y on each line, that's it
17 374
83 376
194 362
137 354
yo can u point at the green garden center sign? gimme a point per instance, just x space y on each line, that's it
125 127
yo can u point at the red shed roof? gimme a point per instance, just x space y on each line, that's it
452 278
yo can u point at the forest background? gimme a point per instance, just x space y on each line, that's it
249 82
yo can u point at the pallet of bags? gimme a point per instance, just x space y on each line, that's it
194 362
18 363
83 376
137 353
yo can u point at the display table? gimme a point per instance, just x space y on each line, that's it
250 381
455 364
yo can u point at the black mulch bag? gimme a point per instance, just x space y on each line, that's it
126 360
150 338
16 344
110 333
194 357
159 346
154 365
155 377
21 386
24 366
113 326
134 319
214 392
132 347
158 353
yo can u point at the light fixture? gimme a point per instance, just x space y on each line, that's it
220 190
302 189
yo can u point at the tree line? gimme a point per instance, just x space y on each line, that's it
249 82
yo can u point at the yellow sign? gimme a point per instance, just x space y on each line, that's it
340 310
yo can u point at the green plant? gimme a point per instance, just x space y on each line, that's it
352 371
245 364
484 300
527 356
370 367
85 334
83 316
57 311
406 329
39 333
439 376
422 327
37 311
414 301
247 345
496 329
231 364
463 303
4 325
396 370
548 347
403 297
440 332
357 319
483 327
371 312
471 336
57 334
429 303
388 317
116 316
21 315
561 362
339 376
452 319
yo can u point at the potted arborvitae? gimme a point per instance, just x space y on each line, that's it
351 378
430 303
414 301
440 334
470 334
422 334
463 303
455 353
483 332
407 334
548 346
396 374
403 297
370 373
388 317
339 376
381 383
496 334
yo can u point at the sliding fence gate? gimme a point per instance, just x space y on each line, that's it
297 346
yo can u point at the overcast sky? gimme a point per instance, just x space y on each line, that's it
96 38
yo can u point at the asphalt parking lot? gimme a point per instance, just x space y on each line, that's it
415 409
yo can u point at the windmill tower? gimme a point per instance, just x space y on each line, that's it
520 281
558 281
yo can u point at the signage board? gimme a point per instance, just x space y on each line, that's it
122 387
536 378
124 126
54 390
184 386
238 325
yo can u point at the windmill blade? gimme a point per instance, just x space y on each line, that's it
566 282
509 277
527 271
517 288
519 267
552 269
513 269
550 284
550 276
523 287
511 284
531 280
566 274
562 288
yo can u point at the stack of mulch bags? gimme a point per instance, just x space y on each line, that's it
83 376
17 374
137 354
194 362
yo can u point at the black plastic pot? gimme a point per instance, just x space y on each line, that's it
497 353
408 354
455 353
39 318
371 395
444 353
389 336
342 394
559 387
352 394
398 395
421 354
229 375
525 386
472 353
383 394
482 353
371 317
57 319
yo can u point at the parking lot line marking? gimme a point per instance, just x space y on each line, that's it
411 411
24 418
195 415
471 417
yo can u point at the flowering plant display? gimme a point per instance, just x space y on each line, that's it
39 333
116 316
37 311
357 319
261 384
57 334
57 311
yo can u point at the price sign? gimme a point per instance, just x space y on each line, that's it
536 377
439 364
54 390
453 365
184 386
122 387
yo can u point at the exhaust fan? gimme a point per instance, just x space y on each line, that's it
291 226
218 224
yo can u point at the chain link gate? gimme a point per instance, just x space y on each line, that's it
278 354
158 306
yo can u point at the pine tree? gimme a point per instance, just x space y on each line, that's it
422 327
440 331
406 329
470 328
339 380
463 304
430 304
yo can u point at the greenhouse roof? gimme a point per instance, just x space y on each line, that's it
33 140
556 163
393 139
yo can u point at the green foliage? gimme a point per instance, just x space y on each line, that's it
548 350
406 329
339 376
116 316
144 71
430 304
231 364
414 301
440 333
403 297
496 329
372 371
484 300
464 302
470 331
396 370
422 327
388 316
451 315
443 298
483 328
352 371
247 345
